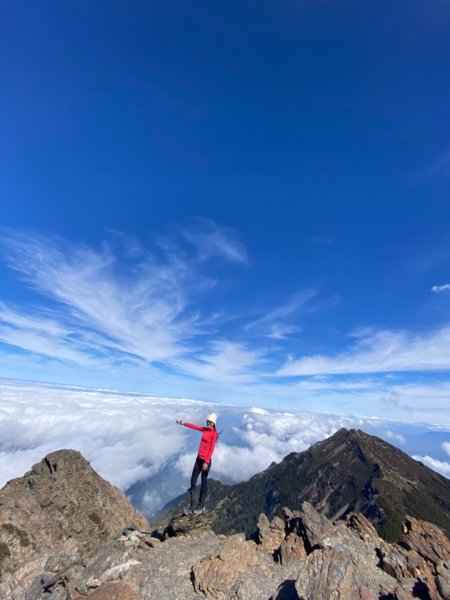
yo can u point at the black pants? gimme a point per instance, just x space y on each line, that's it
198 468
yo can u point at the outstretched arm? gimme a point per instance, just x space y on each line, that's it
190 425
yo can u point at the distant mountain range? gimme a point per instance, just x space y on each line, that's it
350 471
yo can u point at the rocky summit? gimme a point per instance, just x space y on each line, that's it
66 534
60 507
299 556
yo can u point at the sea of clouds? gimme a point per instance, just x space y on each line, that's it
133 437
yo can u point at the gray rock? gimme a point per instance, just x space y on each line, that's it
313 526
427 540
443 579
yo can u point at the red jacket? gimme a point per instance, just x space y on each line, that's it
207 443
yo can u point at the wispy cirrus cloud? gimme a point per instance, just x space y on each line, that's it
143 323
279 323
437 289
441 166
213 241
321 240
142 314
379 352
44 335
437 170
225 361
97 309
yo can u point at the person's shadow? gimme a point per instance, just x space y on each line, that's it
287 591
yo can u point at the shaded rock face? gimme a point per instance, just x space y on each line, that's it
300 556
60 507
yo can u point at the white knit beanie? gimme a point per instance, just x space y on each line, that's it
212 417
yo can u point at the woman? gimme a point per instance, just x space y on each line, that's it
203 461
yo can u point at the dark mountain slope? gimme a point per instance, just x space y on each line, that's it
350 471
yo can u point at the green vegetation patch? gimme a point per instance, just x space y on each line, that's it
95 518
24 540
103 533
437 511
4 551
390 528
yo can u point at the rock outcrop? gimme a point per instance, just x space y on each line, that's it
61 508
302 556
53 548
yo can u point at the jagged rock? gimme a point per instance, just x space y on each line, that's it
345 561
243 570
270 533
58 571
340 564
189 525
292 548
427 540
114 591
326 574
61 506
363 527
399 563
113 560
215 576
443 579
314 526
365 594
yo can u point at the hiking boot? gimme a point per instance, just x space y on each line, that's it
188 510
199 510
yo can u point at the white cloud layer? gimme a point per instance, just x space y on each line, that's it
440 466
133 437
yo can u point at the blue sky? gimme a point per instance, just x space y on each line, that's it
244 203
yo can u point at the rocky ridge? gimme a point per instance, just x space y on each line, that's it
300 556
57 550
61 506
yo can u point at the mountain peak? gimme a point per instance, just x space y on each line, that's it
59 464
60 506
350 471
